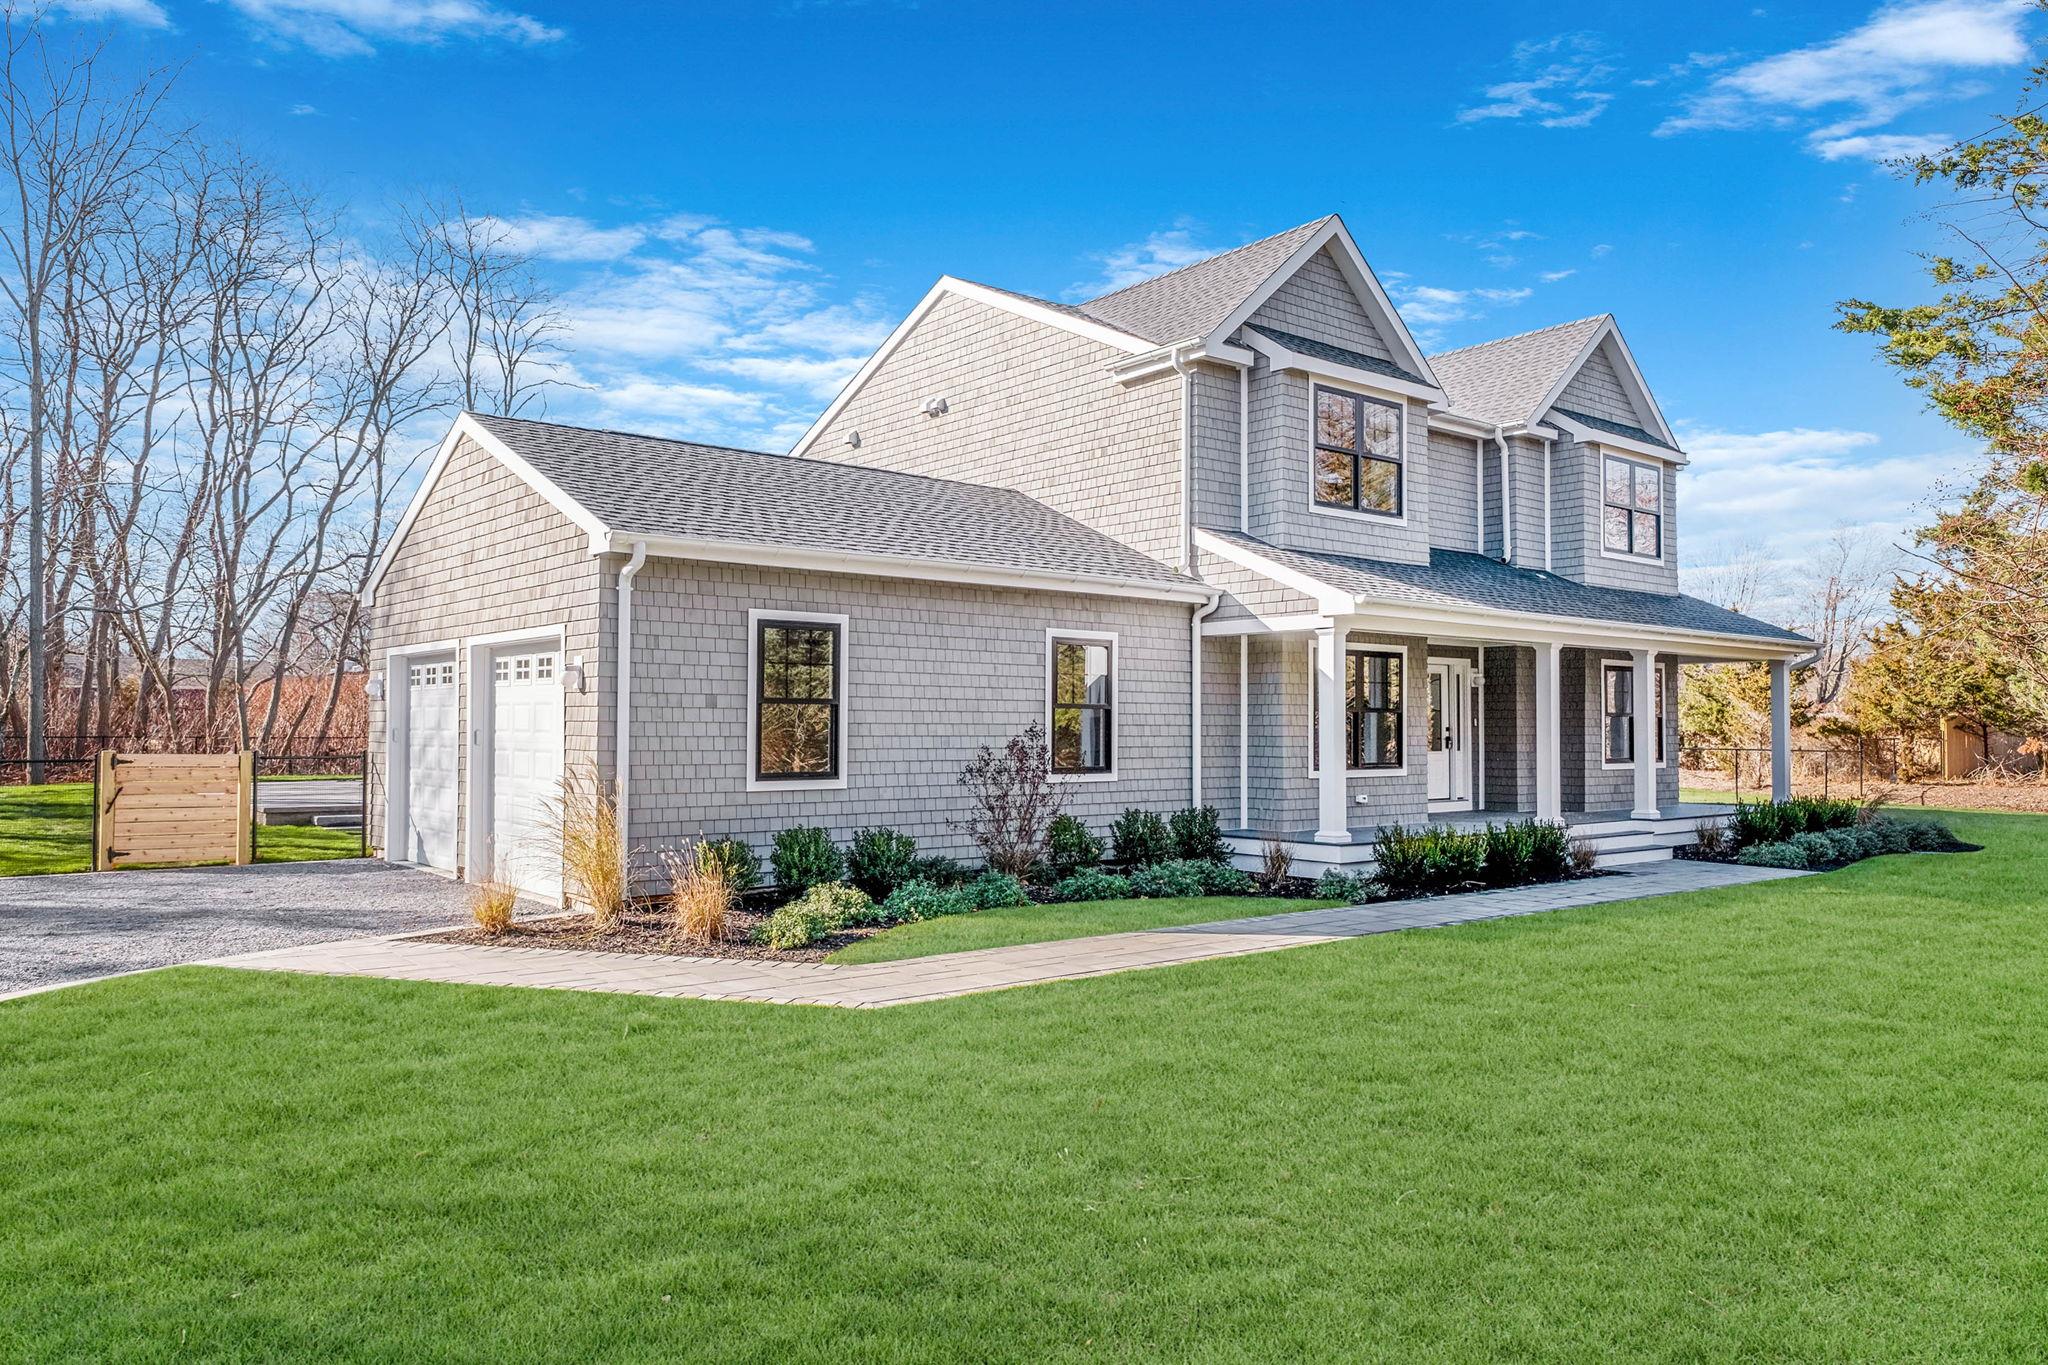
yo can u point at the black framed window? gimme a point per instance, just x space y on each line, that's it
798 688
1632 508
1372 710
1083 705
1358 453
1618 712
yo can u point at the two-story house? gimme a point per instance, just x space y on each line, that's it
1228 535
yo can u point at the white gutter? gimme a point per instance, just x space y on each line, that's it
1201 614
1507 501
622 721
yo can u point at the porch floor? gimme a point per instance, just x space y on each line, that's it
1479 819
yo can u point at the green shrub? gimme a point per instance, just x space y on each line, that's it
1761 822
1069 846
1161 881
918 900
1767 822
1889 835
1778 854
1140 838
804 856
840 905
1434 859
880 860
1922 835
1197 835
1818 846
739 863
789 928
1510 855
1092 884
996 891
1353 888
1550 851
938 870
1221 879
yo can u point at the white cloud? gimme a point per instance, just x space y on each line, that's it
145 12
302 110
563 238
1789 489
352 28
1135 262
1553 276
1904 56
821 376
1879 147
1557 83
1433 306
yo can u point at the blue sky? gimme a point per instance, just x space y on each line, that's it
737 201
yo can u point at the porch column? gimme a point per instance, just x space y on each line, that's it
1781 729
1644 722
1332 818
1549 762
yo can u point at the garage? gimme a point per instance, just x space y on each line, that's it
433 749
526 766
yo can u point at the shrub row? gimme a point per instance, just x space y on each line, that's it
1824 847
1438 858
1770 822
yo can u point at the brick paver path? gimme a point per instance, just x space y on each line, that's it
950 974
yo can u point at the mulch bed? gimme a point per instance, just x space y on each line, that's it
1691 853
648 931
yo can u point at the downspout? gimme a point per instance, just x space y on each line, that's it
1507 501
622 721
1187 457
1547 443
1195 697
1244 449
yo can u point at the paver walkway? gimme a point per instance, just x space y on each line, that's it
984 969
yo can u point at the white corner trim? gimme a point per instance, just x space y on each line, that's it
995 298
1363 282
754 782
1116 729
1631 378
1329 601
466 426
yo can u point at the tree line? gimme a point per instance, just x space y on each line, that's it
213 383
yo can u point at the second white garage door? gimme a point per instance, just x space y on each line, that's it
526 767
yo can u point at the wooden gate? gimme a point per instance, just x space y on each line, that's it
172 808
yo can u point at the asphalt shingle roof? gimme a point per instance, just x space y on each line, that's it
1454 578
655 487
1503 381
1323 350
1615 428
1192 300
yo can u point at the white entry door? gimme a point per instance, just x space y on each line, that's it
526 768
1450 734
433 748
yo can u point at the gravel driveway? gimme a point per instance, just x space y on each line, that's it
85 924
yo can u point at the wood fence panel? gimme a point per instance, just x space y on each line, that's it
173 808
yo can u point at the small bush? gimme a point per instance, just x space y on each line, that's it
1162 881
1778 854
1922 835
1889 835
1509 854
1197 835
738 863
1069 846
1817 847
920 900
996 891
824 909
1352 888
1550 852
880 860
1139 838
804 857
1585 857
1766 822
939 871
1092 884
1710 837
700 898
490 904
1221 879
1015 801
1276 861
1761 822
790 928
1436 858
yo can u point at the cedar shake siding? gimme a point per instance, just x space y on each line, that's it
1575 526
1282 458
1317 301
1030 407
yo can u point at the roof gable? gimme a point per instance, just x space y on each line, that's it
1583 369
1195 299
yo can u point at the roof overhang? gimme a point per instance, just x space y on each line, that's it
1594 436
1478 623
1284 357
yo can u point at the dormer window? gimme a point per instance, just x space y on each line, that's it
1358 453
1632 509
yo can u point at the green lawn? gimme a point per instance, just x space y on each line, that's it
1798 1121
49 829
1044 923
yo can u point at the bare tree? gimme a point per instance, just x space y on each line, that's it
1844 592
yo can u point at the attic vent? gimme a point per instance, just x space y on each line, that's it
935 407
853 439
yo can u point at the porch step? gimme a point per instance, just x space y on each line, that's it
1627 855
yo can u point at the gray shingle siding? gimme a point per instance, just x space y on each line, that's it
1317 301
1219 726
1508 747
1576 492
934 672
1589 785
1031 407
1597 389
1216 446
1453 492
485 556
1282 508
1246 593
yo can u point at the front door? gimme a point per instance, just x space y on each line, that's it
1450 734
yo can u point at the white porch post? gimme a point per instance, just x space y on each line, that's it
1332 820
1781 729
1644 722
1549 762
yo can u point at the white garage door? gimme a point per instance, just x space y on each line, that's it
526 767
432 751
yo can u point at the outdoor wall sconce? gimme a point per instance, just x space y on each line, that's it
373 687
572 676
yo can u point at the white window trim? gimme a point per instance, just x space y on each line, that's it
1605 453
1628 764
1400 406
753 704
1360 647
1116 727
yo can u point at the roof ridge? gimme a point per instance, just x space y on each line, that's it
1208 260
1520 336
620 431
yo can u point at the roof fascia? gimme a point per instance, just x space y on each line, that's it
1593 436
1285 357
